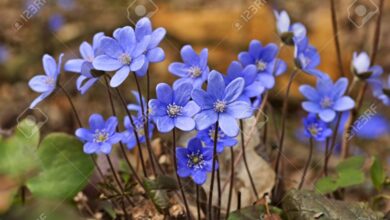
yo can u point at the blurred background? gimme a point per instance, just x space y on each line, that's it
31 28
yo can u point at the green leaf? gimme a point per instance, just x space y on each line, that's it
352 163
253 212
65 169
350 178
18 153
378 175
326 185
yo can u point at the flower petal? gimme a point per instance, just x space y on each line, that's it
311 107
96 121
126 38
178 69
234 90
182 94
156 55
137 63
190 109
49 65
106 63
189 56
239 110
164 93
74 65
86 51
199 177
184 123
120 76
90 148
343 104
216 85
111 47
310 93
164 124
38 84
39 99
327 115
203 99
228 125
206 118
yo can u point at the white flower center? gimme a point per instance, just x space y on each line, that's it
314 129
173 110
125 59
196 160
219 106
195 71
326 102
212 134
100 136
261 65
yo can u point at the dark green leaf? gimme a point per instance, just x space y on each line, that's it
378 175
65 169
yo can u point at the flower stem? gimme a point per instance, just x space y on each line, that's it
219 192
197 201
146 131
336 37
210 202
231 182
333 142
283 128
121 144
177 175
325 155
246 161
307 163
135 132
120 186
80 125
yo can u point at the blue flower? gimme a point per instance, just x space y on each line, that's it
4 54
327 98
267 65
307 58
361 68
252 87
56 21
101 135
316 128
128 135
287 32
382 92
46 84
84 66
220 103
153 53
207 136
195 161
121 54
173 108
194 70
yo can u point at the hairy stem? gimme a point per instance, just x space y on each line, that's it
210 202
177 175
246 161
307 163
336 37
231 182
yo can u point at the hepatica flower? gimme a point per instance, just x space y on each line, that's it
383 92
121 54
128 135
327 98
194 68
307 58
207 137
153 52
362 69
46 84
252 88
173 108
267 65
101 135
316 128
195 161
220 103
84 65
287 32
